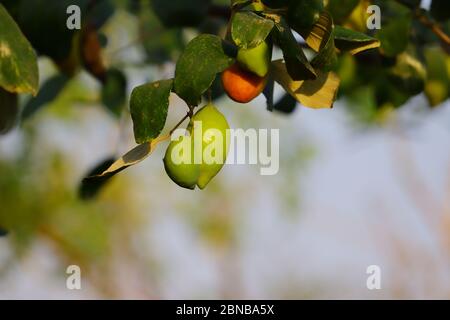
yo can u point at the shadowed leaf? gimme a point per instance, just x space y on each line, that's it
89 188
49 91
8 111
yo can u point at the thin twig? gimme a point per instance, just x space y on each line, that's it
433 26
179 123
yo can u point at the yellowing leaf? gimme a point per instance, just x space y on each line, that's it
320 33
318 94
133 157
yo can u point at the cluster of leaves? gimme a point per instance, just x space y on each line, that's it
325 46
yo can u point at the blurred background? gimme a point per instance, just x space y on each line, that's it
354 189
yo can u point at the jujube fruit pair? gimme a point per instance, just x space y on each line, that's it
247 78
186 171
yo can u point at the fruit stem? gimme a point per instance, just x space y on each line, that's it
180 122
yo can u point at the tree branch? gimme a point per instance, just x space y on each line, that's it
433 26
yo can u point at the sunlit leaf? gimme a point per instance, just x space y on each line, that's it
318 93
134 156
18 63
321 39
353 41
248 29
299 67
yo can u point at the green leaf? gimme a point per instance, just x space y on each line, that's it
275 3
114 91
44 24
8 110
164 44
181 13
394 35
18 63
149 105
269 91
3 232
437 86
48 92
235 3
412 4
298 65
408 74
303 14
89 188
353 41
196 69
341 9
248 29
440 10
133 157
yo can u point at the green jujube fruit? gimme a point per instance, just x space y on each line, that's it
179 165
211 118
256 60
196 159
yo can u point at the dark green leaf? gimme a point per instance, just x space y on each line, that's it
341 9
149 106
163 44
248 29
181 13
203 58
114 91
269 91
303 14
287 104
3 232
440 10
44 23
395 32
412 4
18 64
8 111
276 3
49 91
298 65
89 188
235 3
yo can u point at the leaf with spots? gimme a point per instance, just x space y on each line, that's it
204 57
149 105
18 62
248 29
